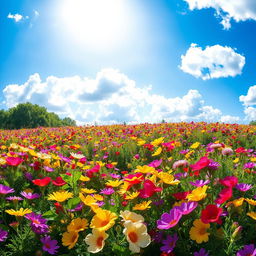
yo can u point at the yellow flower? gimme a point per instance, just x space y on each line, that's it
197 194
137 236
89 201
103 220
199 231
253 159
250 201
144 169
143 206
69 239
237 202
96 240
158 152
195 145
19 213
131 195
167 178
141 142
2 161
98 197
252 215
124 187
77 225
88 191
157 142
236 160
131 216
114 183
60 196
84 178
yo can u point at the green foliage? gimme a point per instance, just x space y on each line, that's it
27 115
253 122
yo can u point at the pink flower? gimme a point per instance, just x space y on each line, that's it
149 189
168 221
200 164
229 181
13 161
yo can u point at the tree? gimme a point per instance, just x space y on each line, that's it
253 122
27 115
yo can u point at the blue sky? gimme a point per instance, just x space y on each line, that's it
120 60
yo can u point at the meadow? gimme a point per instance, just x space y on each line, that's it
147 189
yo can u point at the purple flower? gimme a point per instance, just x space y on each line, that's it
187 207
169 243
199 183
48 169
202 252
249 165
159 202
184 151
3 235
155 163
5 190
28 176
115 176
49 245
243 187
78 208
180 175
29 195
38 224
14 198
168 221
213 165
248 249
158 236
107 191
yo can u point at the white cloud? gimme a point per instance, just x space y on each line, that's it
250 98
227 10
250 113
230 119
108 98
17 17
213 62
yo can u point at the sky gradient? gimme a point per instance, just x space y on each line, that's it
134 61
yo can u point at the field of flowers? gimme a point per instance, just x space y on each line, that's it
149 189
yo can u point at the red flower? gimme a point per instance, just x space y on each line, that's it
93 170
58 207
42 182
229 181
181 195
211 214
58 182
200 164
224 195
13 161
149 189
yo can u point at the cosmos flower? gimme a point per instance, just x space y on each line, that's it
96 240
169 220
38 224
58 182
227 151
197 194
187 207
131 216
42 182
202 252
49 245
137 236
5 190
199 183
211 214
229 181
243 187
69 239
180 163
30 195
14 198
169 243
3 235
13 161
77 225
247 250
149 189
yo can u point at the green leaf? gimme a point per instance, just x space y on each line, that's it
73 202
50 215
66 178
76 175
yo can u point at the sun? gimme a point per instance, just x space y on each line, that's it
99 24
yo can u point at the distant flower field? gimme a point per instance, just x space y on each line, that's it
148 189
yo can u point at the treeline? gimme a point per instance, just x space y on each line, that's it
27 115
253 122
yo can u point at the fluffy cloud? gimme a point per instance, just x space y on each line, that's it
16 17
227 10
250 113
213 62
110 97
230 119
250 98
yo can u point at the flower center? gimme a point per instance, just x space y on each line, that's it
99 241
47 246
36 222
202 231
73 239
172 222
133 237
104 223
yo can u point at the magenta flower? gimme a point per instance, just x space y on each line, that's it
156 163
243 187
169 243
13 161
38 224
107 191
180 163
199 183
249 165
202 252
115 176
187 207
3 235
5 190
29 195
49 245
14 198
168 221
48 169
248 249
